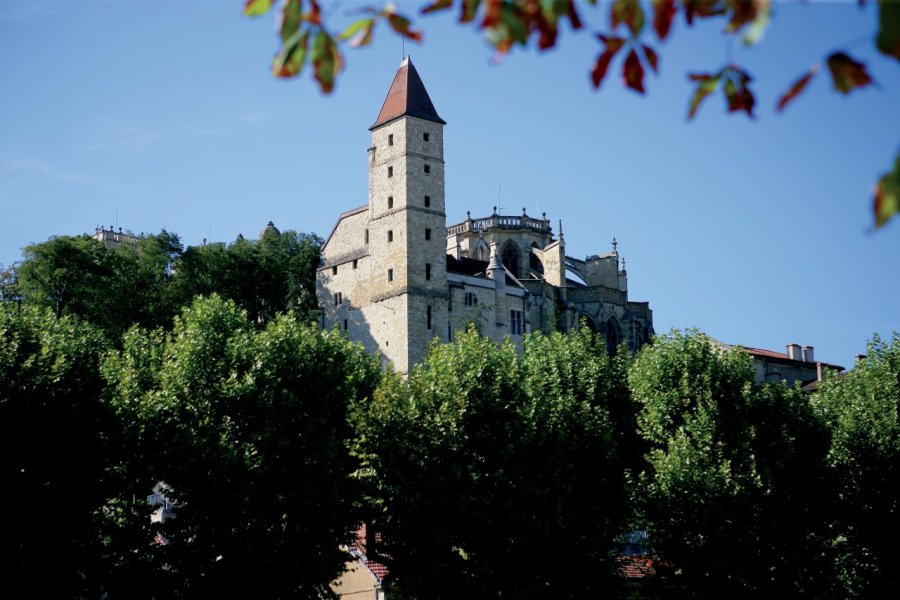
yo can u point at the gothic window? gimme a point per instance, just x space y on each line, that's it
390 171
427 271
427 169
515 322
471 299
428 316
390 202
390 139
510 258
533 261
427 201
612 333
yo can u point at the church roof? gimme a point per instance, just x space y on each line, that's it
407 97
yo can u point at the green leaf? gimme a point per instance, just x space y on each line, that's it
327 61
887 195
888 40
706 85
290 60
629 12
760 22
289 18
359 32
255 8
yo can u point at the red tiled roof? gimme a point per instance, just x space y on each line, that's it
407 96
358 549
635 567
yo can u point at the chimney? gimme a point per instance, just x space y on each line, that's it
808 354
794 352
820 372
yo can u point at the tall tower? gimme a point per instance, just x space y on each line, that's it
407 223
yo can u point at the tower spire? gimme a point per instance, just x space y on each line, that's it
407 97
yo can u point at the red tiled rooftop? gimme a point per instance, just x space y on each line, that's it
407 96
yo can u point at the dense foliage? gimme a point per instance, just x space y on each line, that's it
487 472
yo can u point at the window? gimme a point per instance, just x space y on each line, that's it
390 274
427 234
471 299
345 324
515 322
390 235
338 298
390 171
355 261
334 270
427 201
390 202
367 236
390 139
428 317
427 271
425 136
427 169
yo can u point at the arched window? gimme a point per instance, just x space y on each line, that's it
533 261
612 335
510 258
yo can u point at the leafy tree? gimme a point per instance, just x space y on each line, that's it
54 439
862 411
732 496
247 430
264 277
306 37
493 475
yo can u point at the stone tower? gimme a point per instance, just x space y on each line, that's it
407 222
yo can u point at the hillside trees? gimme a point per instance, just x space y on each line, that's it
247 431
495 475
734 493
862 413
149 284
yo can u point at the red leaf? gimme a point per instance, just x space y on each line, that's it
314 16
703 9
846 73
795 89
652 57
573 15
633 72
737 90
663 14
401 25
613 45
492 13
436 6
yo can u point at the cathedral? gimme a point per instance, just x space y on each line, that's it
394 276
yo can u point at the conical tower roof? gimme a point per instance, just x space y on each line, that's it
407 97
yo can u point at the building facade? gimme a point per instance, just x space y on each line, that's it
395 277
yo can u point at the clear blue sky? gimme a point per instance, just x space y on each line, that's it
164 114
